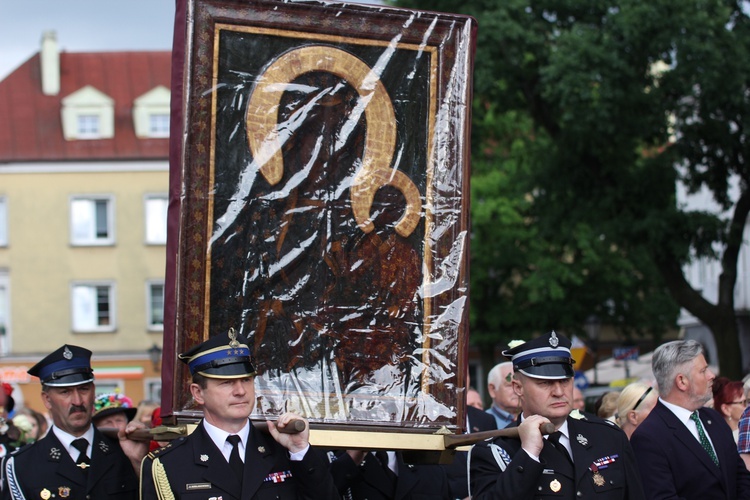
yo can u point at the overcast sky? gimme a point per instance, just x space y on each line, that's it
85 26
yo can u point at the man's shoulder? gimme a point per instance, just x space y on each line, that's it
585 418
166 452
479 420
24 450
47 445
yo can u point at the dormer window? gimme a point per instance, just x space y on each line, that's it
158 125
151 114
88 114
89 126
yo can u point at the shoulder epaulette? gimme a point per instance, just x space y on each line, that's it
22 449
175 443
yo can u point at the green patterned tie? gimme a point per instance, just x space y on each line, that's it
704 440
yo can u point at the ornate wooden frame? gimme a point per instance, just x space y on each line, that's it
411 78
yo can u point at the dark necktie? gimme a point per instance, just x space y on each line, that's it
235 462
81 444
703 438
554 438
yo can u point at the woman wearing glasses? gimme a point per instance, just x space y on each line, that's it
729 400
633 406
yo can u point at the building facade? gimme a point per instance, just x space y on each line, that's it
703 275
83 199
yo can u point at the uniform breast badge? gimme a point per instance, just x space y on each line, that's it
602 463
45 494
278 477
63 491
555 486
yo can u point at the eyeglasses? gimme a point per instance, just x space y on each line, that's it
743 402
642 398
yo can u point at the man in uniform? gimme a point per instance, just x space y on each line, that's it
225 456
684 450
586 457
74 460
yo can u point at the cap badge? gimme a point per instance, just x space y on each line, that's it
233 338
67 354
553 340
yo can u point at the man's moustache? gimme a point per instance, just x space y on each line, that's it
75 408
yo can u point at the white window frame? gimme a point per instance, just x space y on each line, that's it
88 126
152 389
3 221
82 299
109 386
158 125
89 237
156 223
150 325
5 322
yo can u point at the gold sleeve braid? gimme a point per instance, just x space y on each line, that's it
161 482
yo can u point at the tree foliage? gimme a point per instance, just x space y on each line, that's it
587 114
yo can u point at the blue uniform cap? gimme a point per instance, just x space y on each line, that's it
221 357
68 366
545 357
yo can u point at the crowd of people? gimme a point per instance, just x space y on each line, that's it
690 439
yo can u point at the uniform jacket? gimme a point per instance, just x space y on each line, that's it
367 480
674 465
458 478
46 465
194 468
501 469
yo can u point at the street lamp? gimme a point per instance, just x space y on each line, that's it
593 326
154 354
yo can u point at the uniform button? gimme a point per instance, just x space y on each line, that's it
539 488
579 494
519 468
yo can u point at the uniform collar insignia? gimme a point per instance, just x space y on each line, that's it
204 458
582 440
104 446
54 453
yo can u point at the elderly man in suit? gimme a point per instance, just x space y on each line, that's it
684 450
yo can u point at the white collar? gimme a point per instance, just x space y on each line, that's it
67 439
683 414
219 436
